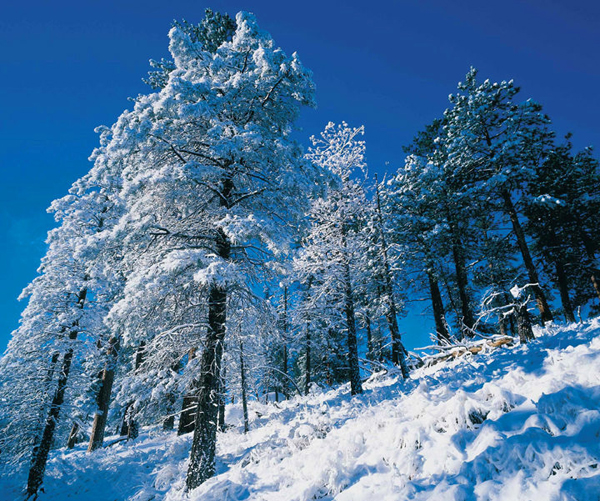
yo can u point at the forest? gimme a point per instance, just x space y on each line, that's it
208 259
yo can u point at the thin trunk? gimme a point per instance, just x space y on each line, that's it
222 391
307 368
124 428
72 440
202 456
438 310
398 350
511 317
40 453
563 287
103 397
542 304
140 354
243 383
284 369
467 321
451 298
370 354
354 371
187 417
169 422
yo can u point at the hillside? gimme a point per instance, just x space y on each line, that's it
511 423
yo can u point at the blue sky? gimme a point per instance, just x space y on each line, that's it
66 67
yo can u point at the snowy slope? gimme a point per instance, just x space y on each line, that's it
519 423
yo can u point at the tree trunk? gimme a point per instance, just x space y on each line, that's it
438 310
243 383
169 421
202 456
354 371
542 304
502 325
40 453
398 350
72 440
524 324
51 369
103 397
591 258
222 391
370 354
467 321
563 287
187 417
307 368
511 317
285 383
140 354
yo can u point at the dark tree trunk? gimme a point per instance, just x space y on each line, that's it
502 325
591 259
398 350
51 369
524 324
72 440
307 368
222 391
563 287
467 321
542 304
187 417
124 428
438 310
169 421
511 317
202 456
40 453
354 371
103 397
140 354
285 383
370 354
244 389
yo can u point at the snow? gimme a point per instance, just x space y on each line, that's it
514 423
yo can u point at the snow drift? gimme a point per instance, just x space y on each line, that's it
514 423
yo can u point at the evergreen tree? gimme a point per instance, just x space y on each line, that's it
494 147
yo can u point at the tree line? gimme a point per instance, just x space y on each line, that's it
207 258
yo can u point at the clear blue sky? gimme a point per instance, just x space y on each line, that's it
68 66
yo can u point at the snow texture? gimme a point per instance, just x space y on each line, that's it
514 423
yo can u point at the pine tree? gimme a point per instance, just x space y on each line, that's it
332 257
494 146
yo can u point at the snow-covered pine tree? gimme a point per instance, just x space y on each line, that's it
494 146
63 320
436 217
212 183
333 255
562 216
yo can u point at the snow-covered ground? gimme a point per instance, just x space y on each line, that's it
514 424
